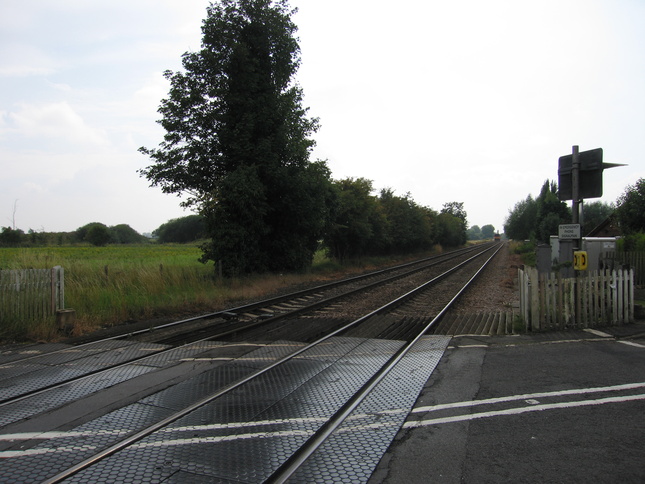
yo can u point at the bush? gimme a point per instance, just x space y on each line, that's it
527 252
97 234
181 230
632 243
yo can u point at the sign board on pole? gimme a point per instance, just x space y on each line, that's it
590 175
569 231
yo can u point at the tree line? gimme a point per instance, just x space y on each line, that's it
237 144
94 233
538 218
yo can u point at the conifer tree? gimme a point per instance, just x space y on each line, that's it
238 141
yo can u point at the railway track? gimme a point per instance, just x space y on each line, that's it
29 372
205 386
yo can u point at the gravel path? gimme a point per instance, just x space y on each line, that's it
496 288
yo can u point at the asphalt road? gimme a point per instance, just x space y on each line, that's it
566 407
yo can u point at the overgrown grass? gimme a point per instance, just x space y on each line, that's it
526 251
111 285
108 285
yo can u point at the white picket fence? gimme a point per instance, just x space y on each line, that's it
31 294
598 298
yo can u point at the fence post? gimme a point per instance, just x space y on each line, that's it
535 299
630 316
57 289
614 297
61 287
524 299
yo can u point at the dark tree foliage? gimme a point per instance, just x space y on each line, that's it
456 209
551 212
409 225
453 232
450 230
11 237
238 141
538 218
474 233
95 233
488 231
124 234
81 232
100 234
359 224
594 214
483 233
520 223
630 211
181 230
366 225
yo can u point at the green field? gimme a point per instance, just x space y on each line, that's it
115 284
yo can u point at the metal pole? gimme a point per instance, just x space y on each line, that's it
575 187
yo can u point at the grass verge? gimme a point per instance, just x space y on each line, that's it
113 285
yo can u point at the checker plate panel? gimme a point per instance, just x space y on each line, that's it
352 453
70 363
249 433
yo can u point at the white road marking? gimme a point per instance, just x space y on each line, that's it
631 343
598 333
40 435
529 399
7 454
193 440
528 396
517 411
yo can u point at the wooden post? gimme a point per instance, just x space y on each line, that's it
535 299
631 296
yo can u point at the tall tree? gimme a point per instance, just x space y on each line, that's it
238 140
409 226
488 231
360 226
474 233
631 208
520 223
551 212
458 231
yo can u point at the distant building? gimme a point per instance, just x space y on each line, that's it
607 228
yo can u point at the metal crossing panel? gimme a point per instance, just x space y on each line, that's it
245 436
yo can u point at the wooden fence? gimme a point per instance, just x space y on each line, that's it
31 294
598 298
632 260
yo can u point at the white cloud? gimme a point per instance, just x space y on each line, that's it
452 101
57 121
20 60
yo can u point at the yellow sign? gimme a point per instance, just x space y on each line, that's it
580 260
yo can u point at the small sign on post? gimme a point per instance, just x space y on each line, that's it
569 231
580 260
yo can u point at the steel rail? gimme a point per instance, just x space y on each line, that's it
128 441
237 329
293 463
257 304
327 301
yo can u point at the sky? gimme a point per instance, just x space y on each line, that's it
460 100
